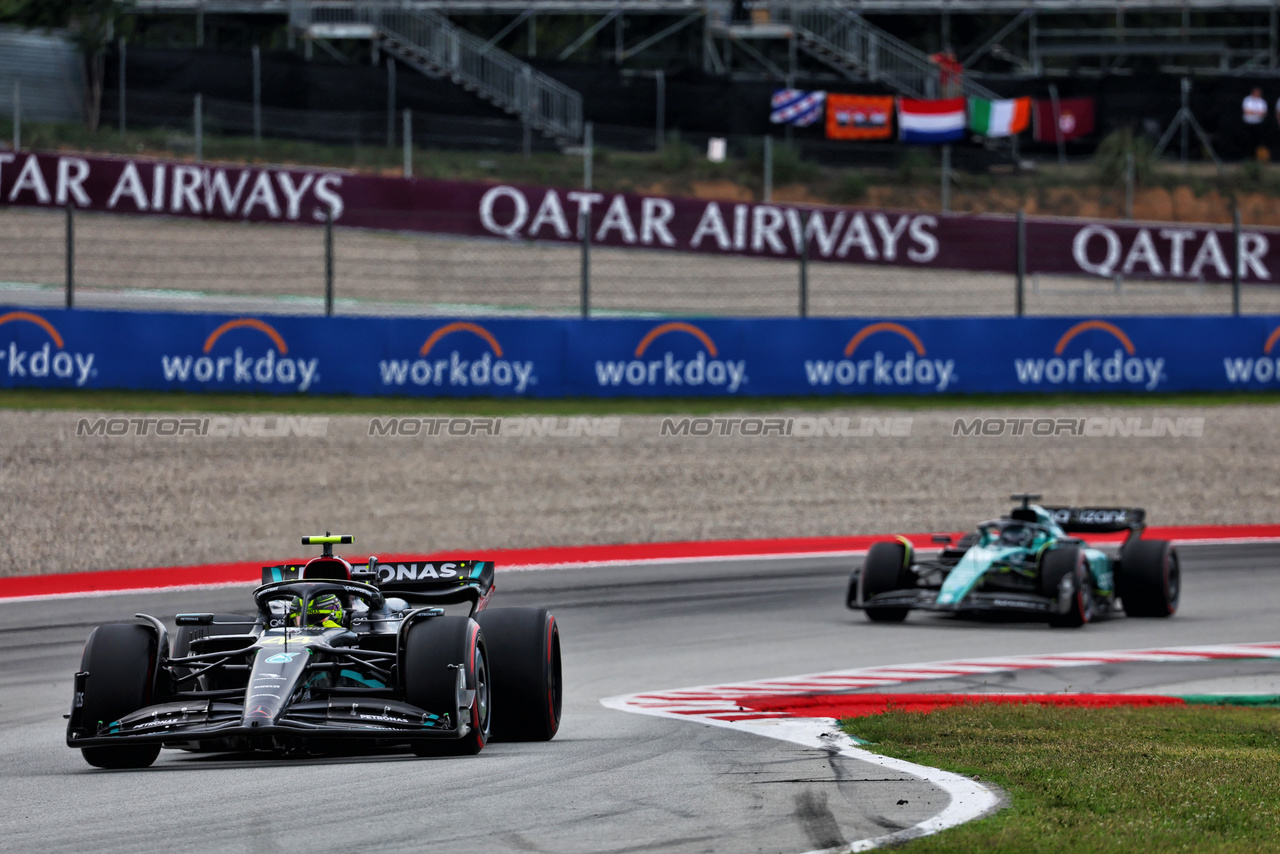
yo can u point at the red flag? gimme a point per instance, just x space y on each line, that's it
1075 119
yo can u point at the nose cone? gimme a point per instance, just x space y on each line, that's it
277 668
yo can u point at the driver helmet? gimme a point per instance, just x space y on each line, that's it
1016 535
323 612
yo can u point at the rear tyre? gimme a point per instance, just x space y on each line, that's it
120 659
433 650
885 569
524 652
1150 579
1064 577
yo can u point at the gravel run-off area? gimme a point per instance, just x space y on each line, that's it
74 503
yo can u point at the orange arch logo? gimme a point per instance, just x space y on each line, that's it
247 323
461 326
1271 340
28 317
871 329
1085 326
675 326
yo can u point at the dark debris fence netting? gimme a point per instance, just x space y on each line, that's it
187 264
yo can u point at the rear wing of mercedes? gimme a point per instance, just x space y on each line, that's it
428 582
418 581
1099 520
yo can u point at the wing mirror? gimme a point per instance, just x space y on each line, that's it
942 539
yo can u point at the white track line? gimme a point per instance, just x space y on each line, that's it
969 799
713 704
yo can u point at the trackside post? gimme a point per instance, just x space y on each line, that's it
804 265
584 226
408 143
71 255
1021 272
1236 260
328 261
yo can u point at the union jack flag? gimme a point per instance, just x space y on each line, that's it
796 107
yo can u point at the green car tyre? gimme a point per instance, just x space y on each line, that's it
887 567
1064 575
1150 578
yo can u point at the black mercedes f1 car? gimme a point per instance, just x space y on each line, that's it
337 656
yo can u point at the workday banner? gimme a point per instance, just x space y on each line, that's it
547 357
304 196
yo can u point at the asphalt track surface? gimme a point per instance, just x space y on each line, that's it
610 781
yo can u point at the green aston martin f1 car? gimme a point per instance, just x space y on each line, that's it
1026 562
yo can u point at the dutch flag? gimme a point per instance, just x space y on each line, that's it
796 107
931 122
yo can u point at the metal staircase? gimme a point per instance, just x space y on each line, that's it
839 37
429 43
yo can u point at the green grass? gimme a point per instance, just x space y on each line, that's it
1202 779
153 401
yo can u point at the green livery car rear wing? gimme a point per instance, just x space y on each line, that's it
1098 520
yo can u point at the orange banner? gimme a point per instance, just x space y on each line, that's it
859 116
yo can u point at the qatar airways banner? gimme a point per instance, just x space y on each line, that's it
842 235
552 357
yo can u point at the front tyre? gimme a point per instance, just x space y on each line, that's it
524 651
886 568
120 659
1064 577
434 650
1150 579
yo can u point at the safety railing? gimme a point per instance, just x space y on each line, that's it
845 37
431 44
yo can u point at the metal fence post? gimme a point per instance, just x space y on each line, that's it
257 95
408 143
1237 261
525 115
328 261
946 178
768 169
1130 179
804 265
391 102
17 115
124 52
198 120
660 126
71 255
588 154
584 225
1021 265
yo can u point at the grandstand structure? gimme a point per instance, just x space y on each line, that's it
1032 36
507 52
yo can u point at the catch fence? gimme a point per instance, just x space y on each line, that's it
108 260
135 232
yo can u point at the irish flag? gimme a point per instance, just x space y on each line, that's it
931 122
999 118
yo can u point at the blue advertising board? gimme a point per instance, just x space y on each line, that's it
552 357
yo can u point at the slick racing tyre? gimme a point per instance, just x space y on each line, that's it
886 568
433 650
120 659
524 663
1064 578
1150 579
